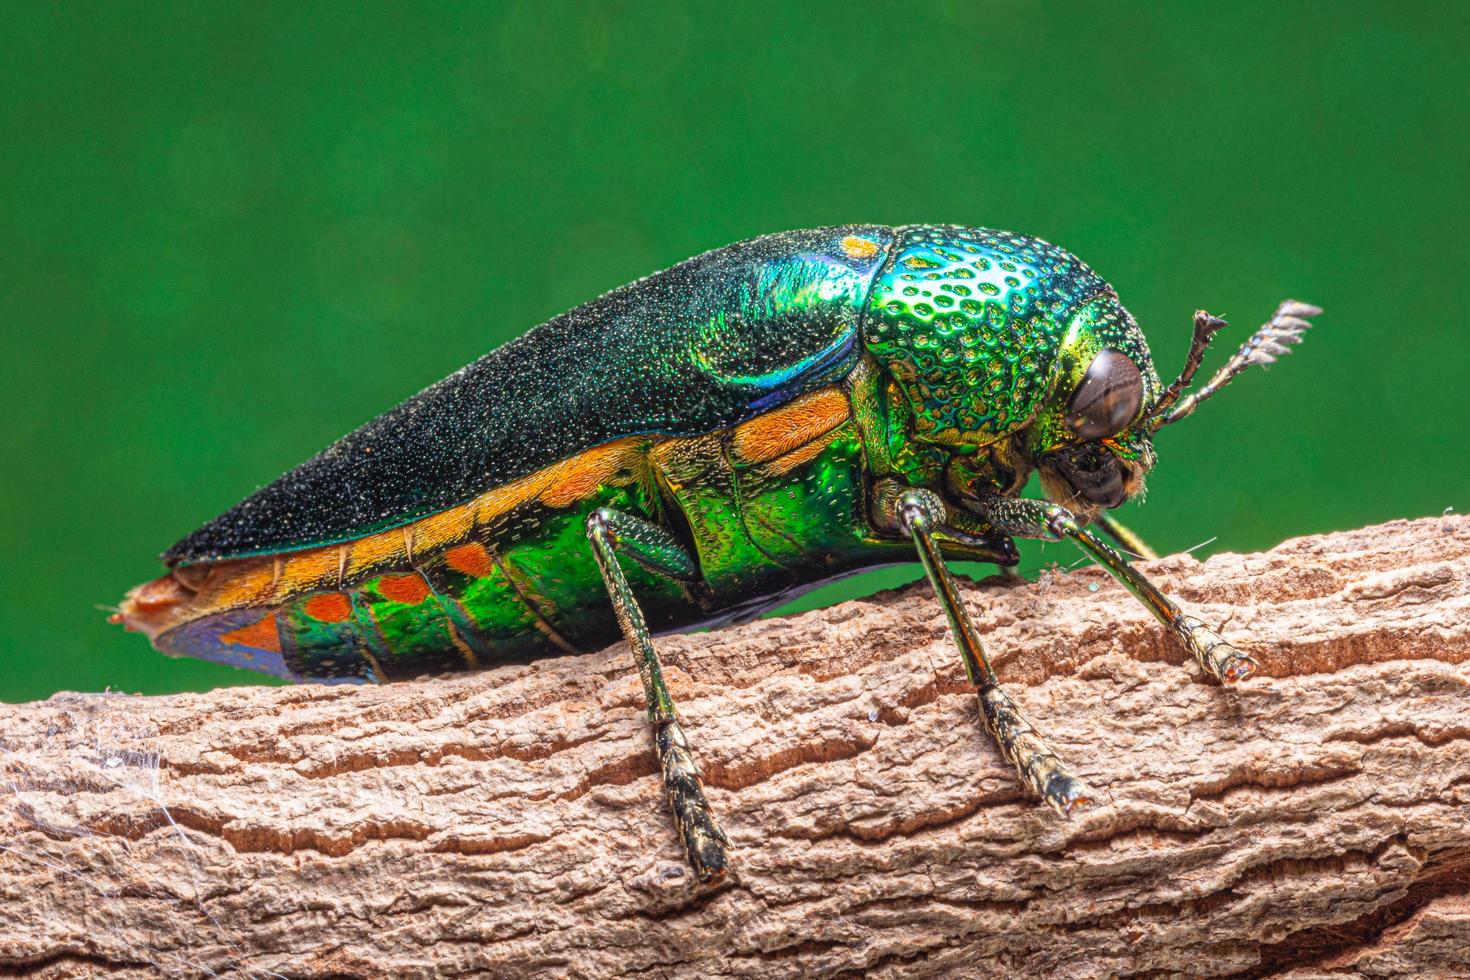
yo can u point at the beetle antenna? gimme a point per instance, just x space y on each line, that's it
1206 325
1286 326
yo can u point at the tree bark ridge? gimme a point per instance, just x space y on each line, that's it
1310 822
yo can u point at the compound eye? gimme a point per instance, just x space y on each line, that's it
1108 397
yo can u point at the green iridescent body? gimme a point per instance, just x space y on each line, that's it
701 445
943 341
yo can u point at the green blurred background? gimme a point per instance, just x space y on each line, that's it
233 231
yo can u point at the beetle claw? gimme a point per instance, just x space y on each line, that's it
1218 658
1066 794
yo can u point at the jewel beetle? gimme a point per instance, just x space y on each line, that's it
701 445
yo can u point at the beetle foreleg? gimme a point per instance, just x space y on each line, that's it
1043 519
918 512
610 533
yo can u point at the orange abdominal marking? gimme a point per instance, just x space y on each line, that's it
261 635
580 476
331 607
470 559
558 485
783 429
407 589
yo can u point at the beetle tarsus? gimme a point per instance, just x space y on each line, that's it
1044 519
1218 658
704 841
1041 769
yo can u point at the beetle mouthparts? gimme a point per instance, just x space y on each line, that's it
1093 473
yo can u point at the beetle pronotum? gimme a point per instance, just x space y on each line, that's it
697 447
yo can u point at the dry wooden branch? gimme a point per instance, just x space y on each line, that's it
1314 821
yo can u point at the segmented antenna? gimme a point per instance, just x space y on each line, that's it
1286 327
1206 325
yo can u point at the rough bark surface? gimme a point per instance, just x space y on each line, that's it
1313 822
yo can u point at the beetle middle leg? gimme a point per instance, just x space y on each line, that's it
1043 519
612 532
919 512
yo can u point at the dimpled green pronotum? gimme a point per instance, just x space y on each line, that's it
699 446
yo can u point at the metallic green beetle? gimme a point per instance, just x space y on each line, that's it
700 446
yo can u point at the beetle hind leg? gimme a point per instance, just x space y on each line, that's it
918 512
613 533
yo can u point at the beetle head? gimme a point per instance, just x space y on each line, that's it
1085 438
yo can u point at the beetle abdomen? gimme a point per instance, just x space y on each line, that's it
497 578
